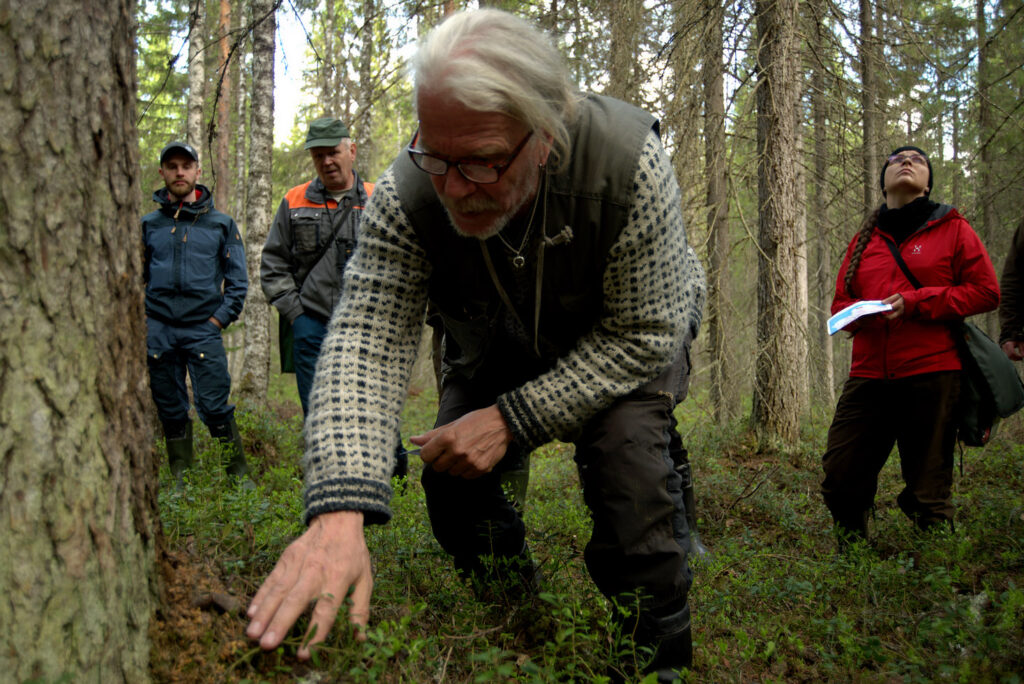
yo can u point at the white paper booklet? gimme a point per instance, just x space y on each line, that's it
855 311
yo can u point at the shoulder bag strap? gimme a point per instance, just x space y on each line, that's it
902 264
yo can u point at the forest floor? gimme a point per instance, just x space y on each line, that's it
774 601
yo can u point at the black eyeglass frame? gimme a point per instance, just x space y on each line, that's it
499 168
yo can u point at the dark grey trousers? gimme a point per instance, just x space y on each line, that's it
640 538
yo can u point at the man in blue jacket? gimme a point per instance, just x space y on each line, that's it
196 283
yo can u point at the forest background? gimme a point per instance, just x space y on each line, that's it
777 116
774 186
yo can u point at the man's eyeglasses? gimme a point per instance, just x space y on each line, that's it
481 172
912 158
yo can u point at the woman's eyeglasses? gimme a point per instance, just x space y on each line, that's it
912 158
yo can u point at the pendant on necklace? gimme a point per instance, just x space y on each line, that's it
518 262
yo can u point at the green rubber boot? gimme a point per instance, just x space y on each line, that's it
179 453
228 435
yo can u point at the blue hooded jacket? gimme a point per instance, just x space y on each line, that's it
194 261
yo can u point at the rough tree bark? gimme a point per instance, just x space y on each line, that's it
984 165
221 160
77 477
239 90
869 105
252 386
196 75
369 84
780 381
822 368
625 24
713 70
331 60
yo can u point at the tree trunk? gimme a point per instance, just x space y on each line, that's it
987 186
77 476
368 84
957 170
332 58
822 362
221 161
780 387
984 165
252 386
235 350
240 131
718 213
196 75
625 24
869 106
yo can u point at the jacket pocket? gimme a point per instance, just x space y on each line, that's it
306 231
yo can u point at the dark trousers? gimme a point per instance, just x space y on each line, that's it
171 351
309 332
640 538
914 413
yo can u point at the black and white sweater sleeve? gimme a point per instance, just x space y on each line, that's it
364 365
653 289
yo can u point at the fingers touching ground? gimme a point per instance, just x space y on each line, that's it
323 565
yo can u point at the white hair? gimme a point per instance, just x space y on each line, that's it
493 61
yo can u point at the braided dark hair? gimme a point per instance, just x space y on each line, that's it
866 228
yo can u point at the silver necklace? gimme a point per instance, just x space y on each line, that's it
519 261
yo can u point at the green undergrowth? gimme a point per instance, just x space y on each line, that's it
774 601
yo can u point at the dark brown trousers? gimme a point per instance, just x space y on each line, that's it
914 413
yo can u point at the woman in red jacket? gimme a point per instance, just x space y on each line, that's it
905 376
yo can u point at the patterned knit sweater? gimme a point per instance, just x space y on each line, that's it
653 291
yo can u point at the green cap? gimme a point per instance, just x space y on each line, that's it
325 132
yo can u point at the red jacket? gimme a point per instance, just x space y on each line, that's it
947 258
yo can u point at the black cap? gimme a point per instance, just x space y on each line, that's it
176 146
907 148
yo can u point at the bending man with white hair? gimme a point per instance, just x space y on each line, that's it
545 229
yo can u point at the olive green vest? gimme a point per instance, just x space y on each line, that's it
591 196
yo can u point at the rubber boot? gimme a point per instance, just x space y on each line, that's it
665 633
850 528
179 452
681 459
231 440
503 580
515 482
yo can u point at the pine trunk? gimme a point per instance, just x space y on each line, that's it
77 475
822 364
717 203
869 106
625 24
221 160
780 387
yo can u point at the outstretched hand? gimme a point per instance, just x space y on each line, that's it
322 565
468 447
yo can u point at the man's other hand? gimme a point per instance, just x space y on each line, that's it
468 447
